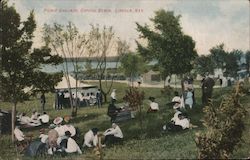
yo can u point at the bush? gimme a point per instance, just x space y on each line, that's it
225 127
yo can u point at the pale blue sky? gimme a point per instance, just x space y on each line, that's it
209 22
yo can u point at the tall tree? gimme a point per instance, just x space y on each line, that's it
248 62
69 43
102 42
166 43
132 65
218 55
20 65
204 64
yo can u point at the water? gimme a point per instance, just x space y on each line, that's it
59 68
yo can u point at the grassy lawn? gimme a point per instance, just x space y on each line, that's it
148 143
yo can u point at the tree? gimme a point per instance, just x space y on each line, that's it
204 64
225 126
132 65
232 62
167 44
227 61
20 65
68 42
248 62
218 55
101 43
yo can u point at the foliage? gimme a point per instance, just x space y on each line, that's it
167 44
69 43
134 97
204 64
225 127
20 65
102 41
248 62
132 65
228 61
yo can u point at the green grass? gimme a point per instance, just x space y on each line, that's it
148 143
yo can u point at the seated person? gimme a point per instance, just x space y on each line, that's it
113 135
177 112
112 110
59 128
26 120
44 118
18 134
180 123
154 107
34 115
21 139
176 101
90 138
43 137
72 146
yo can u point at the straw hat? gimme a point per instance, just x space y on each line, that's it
58 120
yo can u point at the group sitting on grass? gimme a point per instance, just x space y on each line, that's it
36 119
62 138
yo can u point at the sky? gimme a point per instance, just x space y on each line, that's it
208 22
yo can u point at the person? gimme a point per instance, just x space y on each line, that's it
176 115
92 99
59 128
113 135
69 127
90 138
19 134
181 123
44 118
154 107
112 110
99 98
72 146
43 137
189 98
113 94
24 119
21 139
43 101
176 101
207 90
34 115
60 101
52 141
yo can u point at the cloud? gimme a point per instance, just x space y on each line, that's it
209 22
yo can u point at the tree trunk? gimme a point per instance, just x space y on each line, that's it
13 120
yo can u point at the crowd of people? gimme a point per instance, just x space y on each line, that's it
63 138
62 99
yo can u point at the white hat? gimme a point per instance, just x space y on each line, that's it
58 120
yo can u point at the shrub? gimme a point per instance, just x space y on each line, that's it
225 127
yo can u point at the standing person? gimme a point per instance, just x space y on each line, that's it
43 101
113 135
99 98
113 94
61 101
207 90
189 98
113 111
